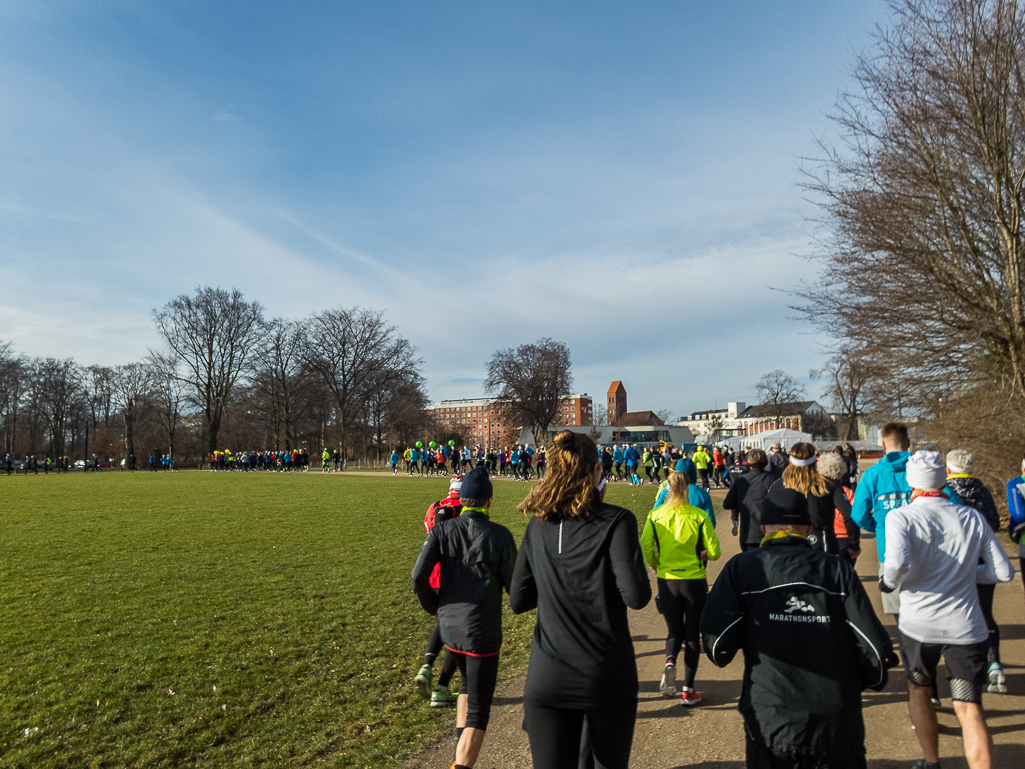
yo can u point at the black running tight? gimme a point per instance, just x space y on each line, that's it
993 642
555 734
682 601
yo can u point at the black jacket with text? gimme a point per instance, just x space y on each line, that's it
811 644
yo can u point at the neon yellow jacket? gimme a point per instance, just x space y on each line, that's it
673 538
701 459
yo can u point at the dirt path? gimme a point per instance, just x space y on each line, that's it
710 735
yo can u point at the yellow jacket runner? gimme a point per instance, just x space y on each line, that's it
673 539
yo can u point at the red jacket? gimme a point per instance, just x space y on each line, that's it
442 510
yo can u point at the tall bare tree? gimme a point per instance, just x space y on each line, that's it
777 389
925 200
168 396
531 382
281 380
215 335
133 386
351 349
58 384
13 382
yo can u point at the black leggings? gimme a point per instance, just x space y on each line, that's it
555 734
993 642
682 601
479 676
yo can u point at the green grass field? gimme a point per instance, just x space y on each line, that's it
200 619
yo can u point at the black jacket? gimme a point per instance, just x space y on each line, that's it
745 498
581 574
811 645
477 557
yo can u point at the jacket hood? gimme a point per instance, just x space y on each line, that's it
894 462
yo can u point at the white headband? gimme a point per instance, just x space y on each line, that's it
955 469
802 462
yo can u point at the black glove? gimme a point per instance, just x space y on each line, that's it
1017 531
884 587
736 526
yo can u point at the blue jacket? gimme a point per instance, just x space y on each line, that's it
698 497
617 456
631 456
685 465
1016 507
882 488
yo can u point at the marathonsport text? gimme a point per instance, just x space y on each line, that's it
798 618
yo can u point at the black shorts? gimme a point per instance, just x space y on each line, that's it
966 666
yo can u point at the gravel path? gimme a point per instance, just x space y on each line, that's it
710 735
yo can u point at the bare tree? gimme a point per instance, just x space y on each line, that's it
776 390
214 335
133 387
848 371
13 382
925 200
58 383
600 416
531 382
716 424
351 349
168 396
665 415
281 380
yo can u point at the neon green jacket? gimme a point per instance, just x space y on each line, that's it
702 460
673 539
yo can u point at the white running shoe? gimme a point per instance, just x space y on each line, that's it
997 680
667 686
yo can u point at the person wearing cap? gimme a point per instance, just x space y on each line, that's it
779 460
810 639
936 553
477 558
702 460
973 492
442 510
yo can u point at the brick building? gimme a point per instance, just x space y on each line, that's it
487 422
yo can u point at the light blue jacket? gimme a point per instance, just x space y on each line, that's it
698 497
882 488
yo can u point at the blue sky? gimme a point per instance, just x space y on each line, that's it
618 176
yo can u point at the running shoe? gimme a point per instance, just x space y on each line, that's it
441 697
937 705
689 698
997 680
667 686
423 682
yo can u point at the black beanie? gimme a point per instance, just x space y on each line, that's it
785 507
477 485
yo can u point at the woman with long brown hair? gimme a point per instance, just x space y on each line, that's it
580 565
802 476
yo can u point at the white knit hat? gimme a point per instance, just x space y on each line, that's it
927 470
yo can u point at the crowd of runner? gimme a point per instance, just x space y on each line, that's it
790 600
